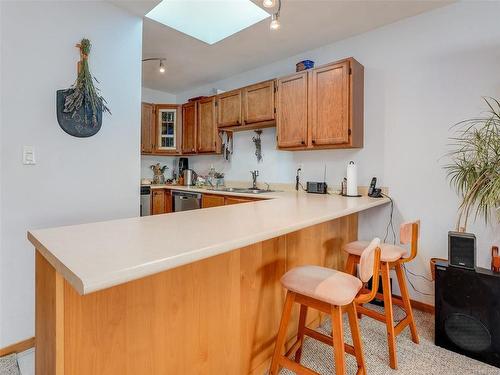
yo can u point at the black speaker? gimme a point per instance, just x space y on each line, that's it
468 312
462 249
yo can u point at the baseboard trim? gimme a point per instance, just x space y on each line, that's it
415 304
422 306
18 347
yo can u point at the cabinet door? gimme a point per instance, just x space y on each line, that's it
167 129
329 112
189 128
236 200
168 201
212 200
258 102
206 126
158 201
292 111
229 108
147 128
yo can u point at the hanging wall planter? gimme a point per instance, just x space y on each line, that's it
80 108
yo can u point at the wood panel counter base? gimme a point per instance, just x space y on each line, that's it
219 315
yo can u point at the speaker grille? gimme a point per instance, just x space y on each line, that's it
467 332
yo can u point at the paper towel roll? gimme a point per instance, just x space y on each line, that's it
352 179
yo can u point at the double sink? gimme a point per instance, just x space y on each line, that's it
242 190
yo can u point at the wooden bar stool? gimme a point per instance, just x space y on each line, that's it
332 292
392 257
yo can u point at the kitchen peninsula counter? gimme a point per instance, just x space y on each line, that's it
193 292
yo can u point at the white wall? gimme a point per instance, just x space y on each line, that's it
74 180
157 97
422 75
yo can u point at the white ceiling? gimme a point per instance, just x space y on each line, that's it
305 25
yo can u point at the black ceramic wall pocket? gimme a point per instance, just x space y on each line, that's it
79 123
80 108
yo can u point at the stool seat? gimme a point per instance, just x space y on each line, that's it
324 284
390 253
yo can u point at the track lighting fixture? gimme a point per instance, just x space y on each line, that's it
275 22
268 3
162 67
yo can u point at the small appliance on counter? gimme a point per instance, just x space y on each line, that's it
183 165
189 177
317 187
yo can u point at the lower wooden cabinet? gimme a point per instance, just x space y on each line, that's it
161 201
212 200
237 200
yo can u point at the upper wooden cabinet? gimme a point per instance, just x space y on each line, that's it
189 119
292 110
327 112
258 102
147 127
206 127
167 131
229 108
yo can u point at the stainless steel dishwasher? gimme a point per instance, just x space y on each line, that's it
185 201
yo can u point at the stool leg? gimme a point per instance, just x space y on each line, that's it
280 339
406 300
356 338
338 340
389 315
350 265
300 331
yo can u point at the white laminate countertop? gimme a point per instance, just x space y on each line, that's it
100 255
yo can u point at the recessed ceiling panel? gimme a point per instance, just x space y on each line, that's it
208 20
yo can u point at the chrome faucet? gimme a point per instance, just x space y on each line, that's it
255 174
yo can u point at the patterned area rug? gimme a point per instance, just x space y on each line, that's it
422 359
8 365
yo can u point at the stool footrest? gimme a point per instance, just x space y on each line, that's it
402 325
372 314
295 367
296 345
326 339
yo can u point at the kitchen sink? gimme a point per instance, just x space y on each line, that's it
244 190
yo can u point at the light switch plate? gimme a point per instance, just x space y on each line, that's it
29 155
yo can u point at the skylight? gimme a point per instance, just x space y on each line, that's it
208 20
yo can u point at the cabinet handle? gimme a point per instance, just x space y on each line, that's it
313 142
303 142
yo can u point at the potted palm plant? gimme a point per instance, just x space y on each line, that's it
474 169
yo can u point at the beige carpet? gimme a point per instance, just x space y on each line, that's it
423 359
